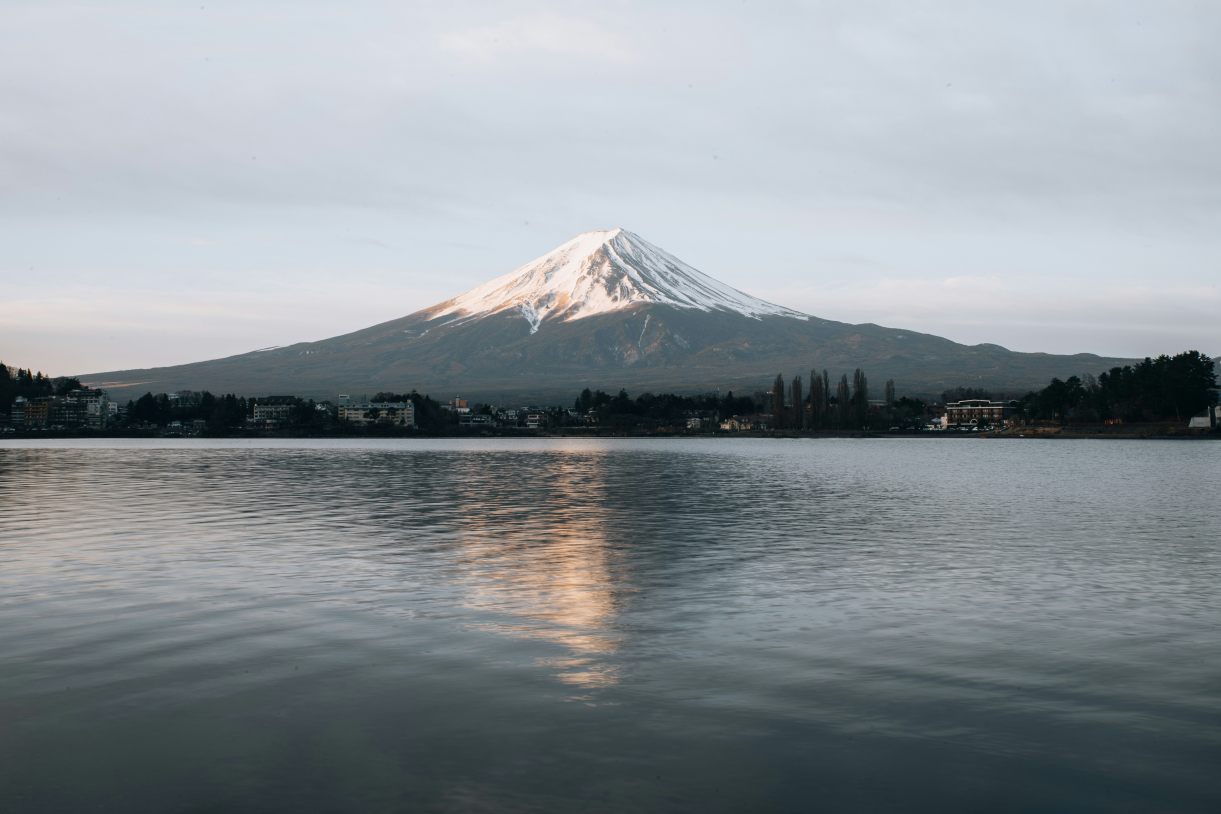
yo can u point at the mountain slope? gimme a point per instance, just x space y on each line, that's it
606 309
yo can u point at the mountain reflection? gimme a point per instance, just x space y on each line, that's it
546 571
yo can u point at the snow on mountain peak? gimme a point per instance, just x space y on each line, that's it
600 272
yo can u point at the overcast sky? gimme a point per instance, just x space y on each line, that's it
181 181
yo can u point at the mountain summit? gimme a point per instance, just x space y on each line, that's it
607 310
602 272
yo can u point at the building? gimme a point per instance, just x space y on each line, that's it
980 412
399 413
94 410
475 420
63 412
535 420
37 412
1209 419
457 405
17 412
273 410
85 407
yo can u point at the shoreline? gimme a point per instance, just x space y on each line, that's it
1161 433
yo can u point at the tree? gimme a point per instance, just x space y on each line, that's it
585 401
778 401
818 401
1165 388
842 402
798 405
66 384
964 393
860 399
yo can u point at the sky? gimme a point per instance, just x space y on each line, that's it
183 181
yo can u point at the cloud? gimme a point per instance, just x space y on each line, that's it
543 35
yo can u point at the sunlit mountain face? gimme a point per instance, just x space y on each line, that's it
606 309
603 272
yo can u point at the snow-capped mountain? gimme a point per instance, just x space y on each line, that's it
606 309
601 272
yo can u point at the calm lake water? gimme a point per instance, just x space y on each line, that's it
571 625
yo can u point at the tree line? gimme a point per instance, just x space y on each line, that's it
223 413
828 405
655 410
1168 388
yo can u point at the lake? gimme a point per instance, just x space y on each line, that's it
608 625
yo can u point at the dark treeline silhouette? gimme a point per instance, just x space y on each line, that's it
649 411
223 414
1162 389
842 406
31 385
220 413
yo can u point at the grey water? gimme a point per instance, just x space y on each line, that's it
564 625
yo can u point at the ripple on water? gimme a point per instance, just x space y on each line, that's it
701 625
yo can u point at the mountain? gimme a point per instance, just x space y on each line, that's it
606 310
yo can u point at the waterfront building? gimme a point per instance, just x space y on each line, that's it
981 412
273 410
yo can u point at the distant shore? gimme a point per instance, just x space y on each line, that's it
1123 432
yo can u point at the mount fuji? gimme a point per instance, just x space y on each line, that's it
607 309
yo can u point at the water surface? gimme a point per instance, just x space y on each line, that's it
711 625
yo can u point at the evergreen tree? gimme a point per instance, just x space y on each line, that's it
778 401
585 401
818 401
860 399
798 405
842 403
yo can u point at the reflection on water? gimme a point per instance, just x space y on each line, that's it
621 625
543 567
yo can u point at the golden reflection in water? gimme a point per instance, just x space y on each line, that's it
546 569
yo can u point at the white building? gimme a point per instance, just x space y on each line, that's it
275 412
